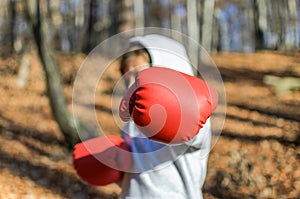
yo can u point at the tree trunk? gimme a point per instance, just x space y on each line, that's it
12 23
126 16
274 25
175 21
6 28
79 26
138 6
207 27
283 23
39 21
87 43
260 22
248 30
292 40
193 31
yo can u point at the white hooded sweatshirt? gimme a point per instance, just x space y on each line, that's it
162 171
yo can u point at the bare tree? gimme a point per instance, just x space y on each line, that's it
7 15
207 26
139 14
193 30
247 29
291 36
175 21
277 23
39 20
261 22
126 15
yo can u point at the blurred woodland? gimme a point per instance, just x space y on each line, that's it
219 25
254 43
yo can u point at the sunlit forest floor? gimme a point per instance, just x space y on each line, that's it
257 155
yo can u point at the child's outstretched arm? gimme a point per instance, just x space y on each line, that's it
100 161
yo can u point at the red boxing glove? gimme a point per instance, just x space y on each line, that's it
96 160
168 106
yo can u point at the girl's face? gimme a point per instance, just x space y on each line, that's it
132 66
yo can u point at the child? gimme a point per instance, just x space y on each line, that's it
161 175
157 170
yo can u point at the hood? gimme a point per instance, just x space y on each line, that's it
165 52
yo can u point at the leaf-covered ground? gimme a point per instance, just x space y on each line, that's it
257 155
